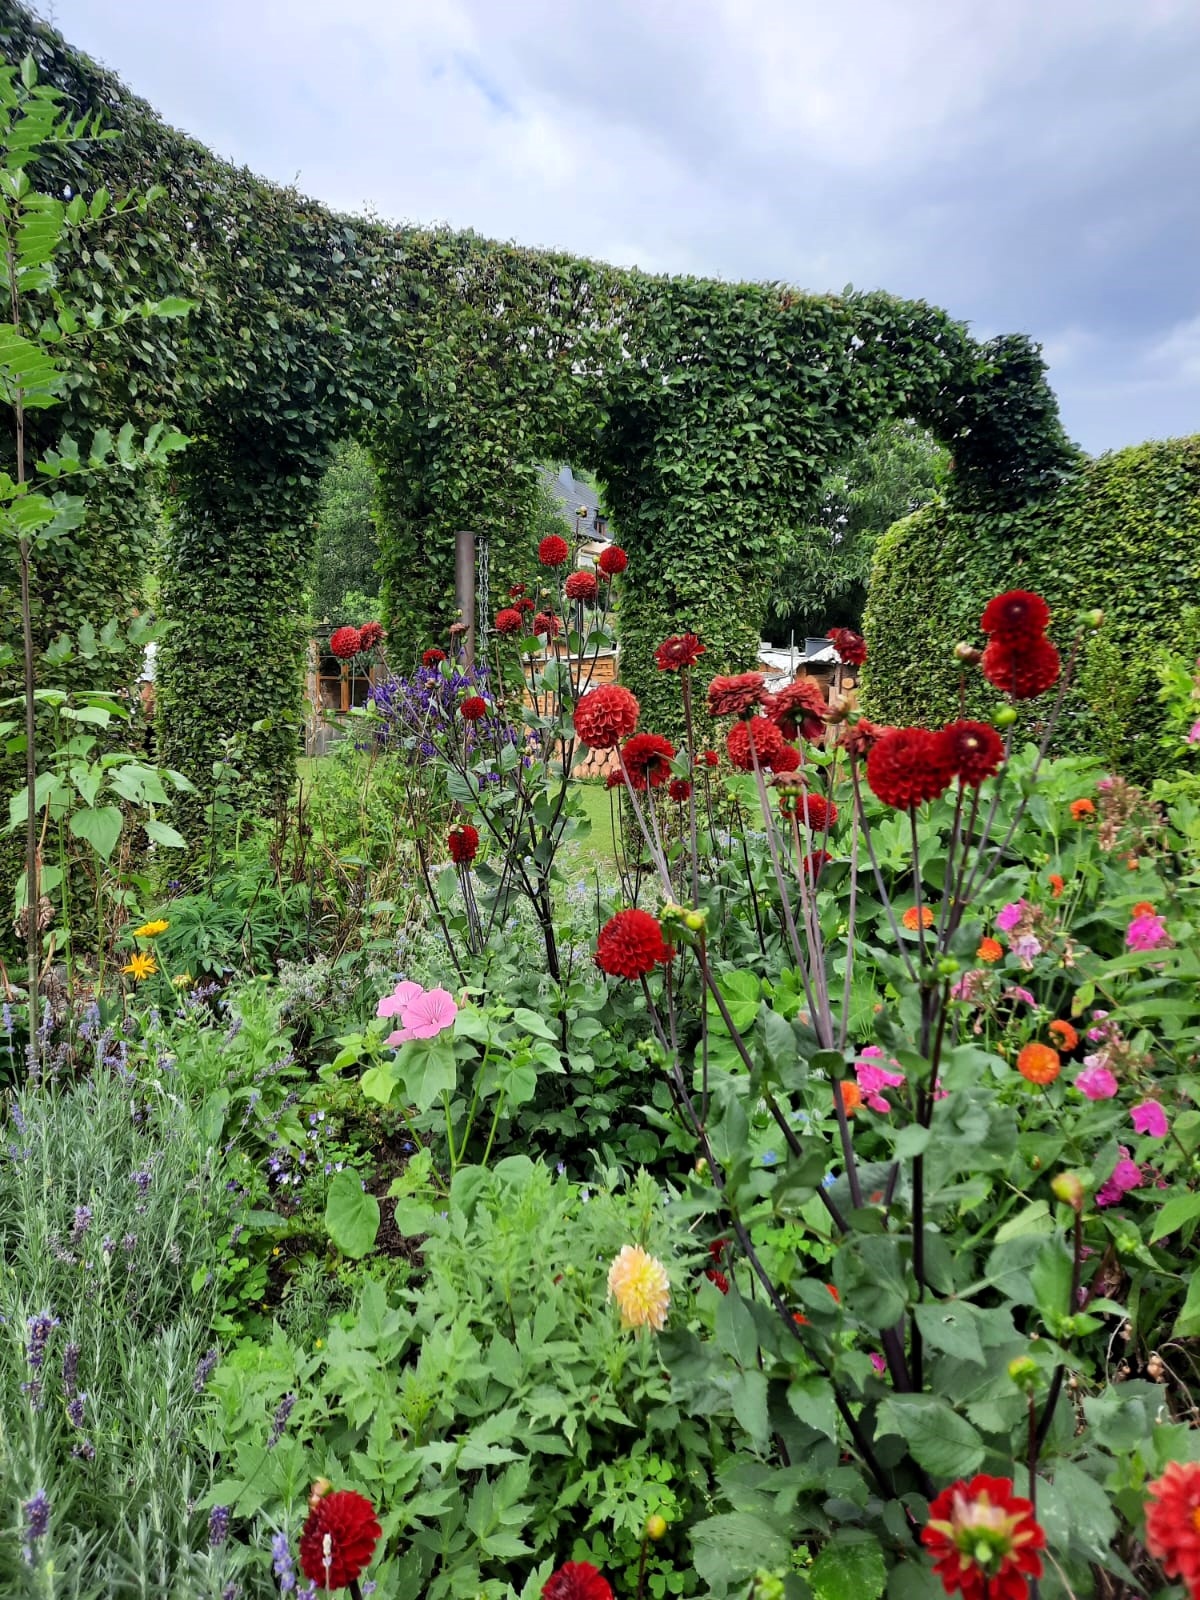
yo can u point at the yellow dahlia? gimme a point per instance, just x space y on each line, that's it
639 1284
140 965
151 930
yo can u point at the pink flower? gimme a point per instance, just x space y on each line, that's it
969 985
402 995
1104 785
428 1013
1147 933
398 1037
1007 919
872 1078
1026 946
1097 1083
1126 1175
878 1362
1017 993
1149 1117
1194 733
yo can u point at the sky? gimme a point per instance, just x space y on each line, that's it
1030 165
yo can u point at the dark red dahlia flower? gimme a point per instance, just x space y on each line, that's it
546 622
767 740
369 635
799 710
1023 668
583 586
647 758
339 1539
973 751
814 863
679 651
710 758
508 621
679 789
525 604
1016 615
736 696
984 1540
857 737
553 551
605 716
788 760
850 646
717 1249
612 561
1173 1522
345 643
463 843
515 590
631 945
432 656
906 766
819 812
715 1275
615 779
473 708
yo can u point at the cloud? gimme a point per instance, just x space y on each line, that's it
1029 165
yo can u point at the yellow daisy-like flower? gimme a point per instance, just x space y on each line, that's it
140 965
151 930
639 1284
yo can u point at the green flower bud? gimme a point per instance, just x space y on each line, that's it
1024 1371
1005 717
1068 1187
656 1526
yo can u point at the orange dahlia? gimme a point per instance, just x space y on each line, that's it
989 950
1039 1064
914 918
1065 1035
1082 808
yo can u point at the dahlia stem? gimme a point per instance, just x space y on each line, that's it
861 820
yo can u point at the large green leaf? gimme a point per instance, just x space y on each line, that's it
100 826
426 1068
939 1440
351 1215
730 1548
849 1570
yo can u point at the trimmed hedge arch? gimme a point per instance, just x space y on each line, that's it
709 411
1123 535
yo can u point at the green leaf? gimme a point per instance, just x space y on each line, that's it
848 1570
1050 1281
351 1215
748 1396
941 1441
950 1326
1187 1323
811 1398
427 1069
377 1083
163 834
729 1549
100 826
1177 1212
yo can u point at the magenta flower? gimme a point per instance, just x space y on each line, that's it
1194 733
872 1078
1096 1082
1016 992
1007 919
878 1362
1147 932
393 1004
1126 1175
425 1016
1149 1117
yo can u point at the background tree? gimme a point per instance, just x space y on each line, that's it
345 581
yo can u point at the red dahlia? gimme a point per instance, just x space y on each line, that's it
717 1249
858 737
582 586
631 945
515 590
1023 668
525 604
369 635
799 710
710 758
432 657
715 1275
546 622
788 759
647 758
553 551
464 844
984 1540
1016 615
736 696
1173 1522
973 751
577 1580
679 789
339 1539
345 643
813 808
473 708
612 561
605 716
906 766
767 741
508 621
615 779
850 646
680 650
814 864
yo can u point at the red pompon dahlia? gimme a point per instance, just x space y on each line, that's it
767 740
715 1275
473 708
1173 1522
583 586
787 760
508 621
553 551
463 843
679 789
631 945
813 808
850 646
710 758
546 622
615 779
679 651
524 604
369 635
906 766
577 1580
858 737
799 710
605 716
1023 668
613 561
515 590
339 1539
973 750
736 696
647 758
814 863
345 643
432 657
984 1540
1016 615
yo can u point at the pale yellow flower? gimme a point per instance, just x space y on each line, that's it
182 980
151 930
140 965
639 1284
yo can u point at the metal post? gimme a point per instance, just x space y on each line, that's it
464 589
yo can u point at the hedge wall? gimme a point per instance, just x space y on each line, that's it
1123 535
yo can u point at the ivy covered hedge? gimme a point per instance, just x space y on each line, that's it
1123 535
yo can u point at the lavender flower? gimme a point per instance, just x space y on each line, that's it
6 1019
37 1523
129 1243
142 1179
285 1571
40 1329
282 1412
75 1409
218 1526
70 1368
83 1221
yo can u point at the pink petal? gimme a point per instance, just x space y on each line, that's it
403 994
400 1036
1149 1117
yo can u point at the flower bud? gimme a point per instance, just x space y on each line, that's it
947 967
656 1526
1094 619
1005 717
696 921
1068 1187
701 1168
968 654
1024 1371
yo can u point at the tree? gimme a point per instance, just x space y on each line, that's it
345 582
823 578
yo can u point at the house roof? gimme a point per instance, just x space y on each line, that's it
571 493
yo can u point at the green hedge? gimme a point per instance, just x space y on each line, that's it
1123 534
